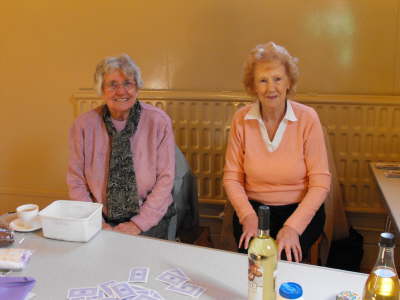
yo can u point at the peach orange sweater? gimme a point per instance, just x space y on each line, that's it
296 172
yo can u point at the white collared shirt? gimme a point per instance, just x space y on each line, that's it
255 114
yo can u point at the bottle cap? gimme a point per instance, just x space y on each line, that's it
387 239
263 217
290 290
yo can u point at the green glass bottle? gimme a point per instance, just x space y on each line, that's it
383 282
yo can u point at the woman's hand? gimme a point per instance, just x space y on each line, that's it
250 225
288 240
128 228
106 226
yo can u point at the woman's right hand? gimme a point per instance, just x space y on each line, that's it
106 226
128 227
249 225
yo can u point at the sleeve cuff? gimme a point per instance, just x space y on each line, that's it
141 222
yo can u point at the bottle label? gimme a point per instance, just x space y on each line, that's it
259 277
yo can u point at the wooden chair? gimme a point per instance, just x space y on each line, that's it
227 240
314 252
336 225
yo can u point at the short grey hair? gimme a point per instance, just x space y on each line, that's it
109 64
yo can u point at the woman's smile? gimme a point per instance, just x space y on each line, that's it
121 99
271 84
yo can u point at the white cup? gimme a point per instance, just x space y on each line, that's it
27 213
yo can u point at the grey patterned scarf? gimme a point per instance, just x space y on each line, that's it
122 195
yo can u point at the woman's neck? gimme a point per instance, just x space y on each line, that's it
273 115
119 116
272 118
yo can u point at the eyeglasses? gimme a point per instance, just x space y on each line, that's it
113 85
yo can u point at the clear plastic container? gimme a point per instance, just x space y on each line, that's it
69 220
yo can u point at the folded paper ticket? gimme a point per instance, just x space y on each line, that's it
388 166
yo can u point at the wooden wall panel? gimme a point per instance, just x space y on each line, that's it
361 129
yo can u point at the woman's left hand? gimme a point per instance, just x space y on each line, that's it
128 228
288 240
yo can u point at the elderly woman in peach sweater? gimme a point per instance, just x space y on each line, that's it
276 156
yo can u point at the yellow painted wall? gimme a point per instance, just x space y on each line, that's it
48 50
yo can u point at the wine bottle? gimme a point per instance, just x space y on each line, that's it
263 260
383 282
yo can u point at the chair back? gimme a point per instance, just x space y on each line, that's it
184 194
336 224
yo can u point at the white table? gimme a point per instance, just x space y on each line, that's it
58 265
390 189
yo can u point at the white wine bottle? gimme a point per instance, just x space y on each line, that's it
383 282
263 260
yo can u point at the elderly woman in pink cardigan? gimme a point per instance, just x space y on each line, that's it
276 156
122 154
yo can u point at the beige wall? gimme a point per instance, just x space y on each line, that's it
48 49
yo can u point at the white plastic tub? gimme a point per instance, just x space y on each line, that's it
70 220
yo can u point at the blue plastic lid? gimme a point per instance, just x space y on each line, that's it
290 290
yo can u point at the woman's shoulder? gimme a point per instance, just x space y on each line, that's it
242 112
154 113
303 111
91 117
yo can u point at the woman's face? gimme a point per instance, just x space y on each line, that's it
271 84
119 93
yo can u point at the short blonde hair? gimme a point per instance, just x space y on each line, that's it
109 64
266 53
